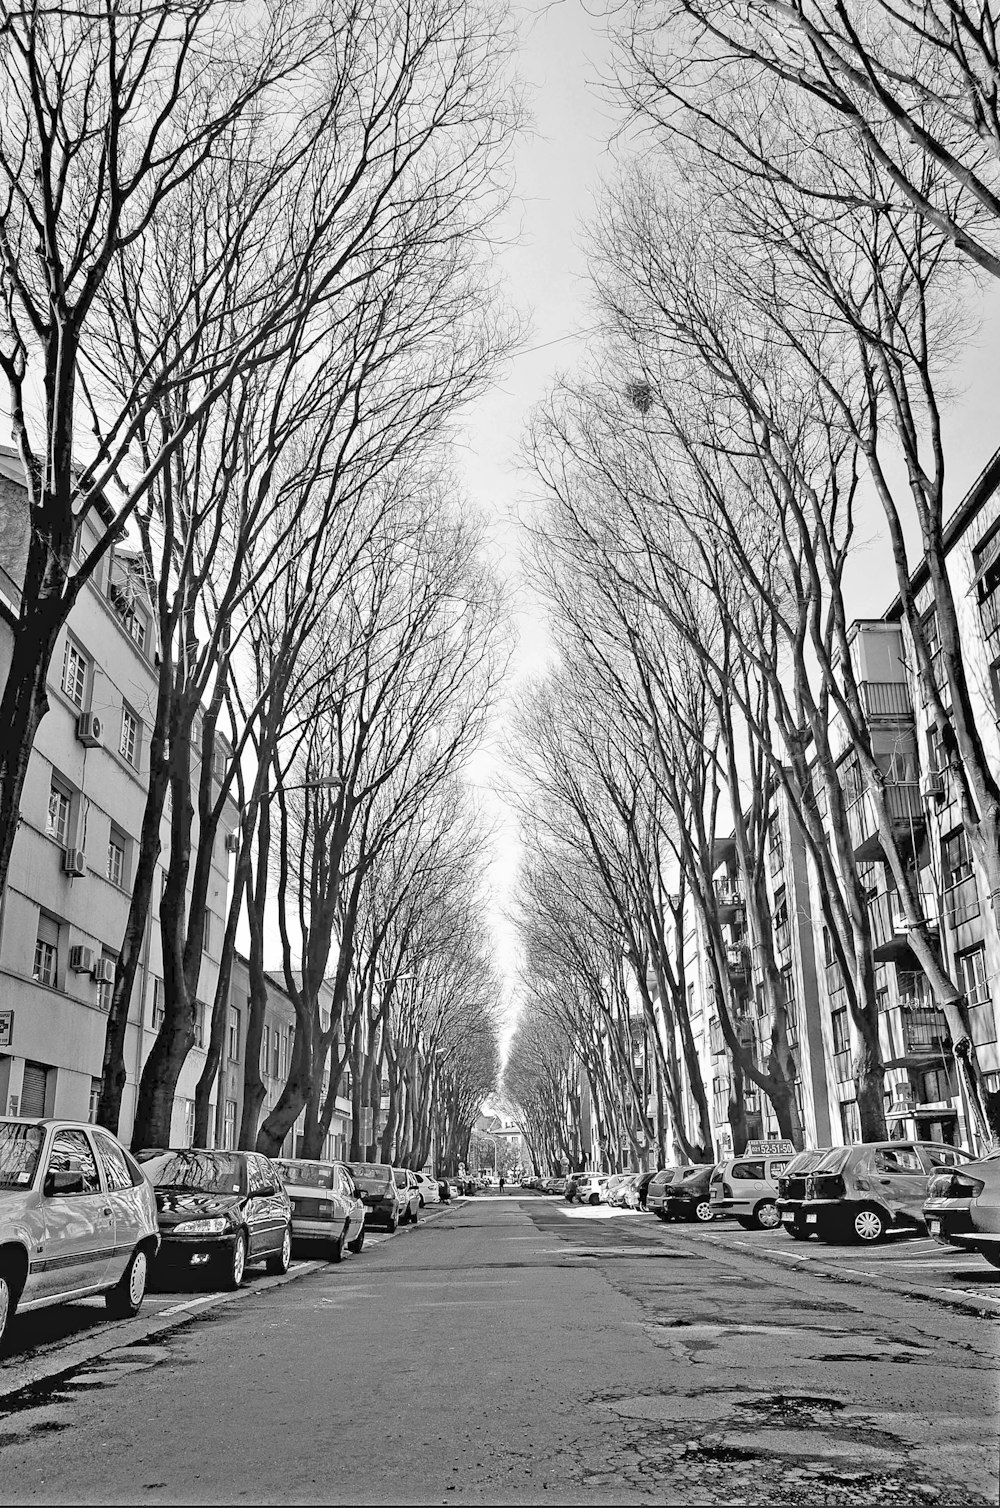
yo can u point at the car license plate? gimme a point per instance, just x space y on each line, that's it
810 1219
934 1226
787 1217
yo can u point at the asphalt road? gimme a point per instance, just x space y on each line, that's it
509 1349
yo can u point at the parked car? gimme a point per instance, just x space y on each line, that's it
591 1188
618 1185
428 1189
685 1197
746 1188
642 1184
219 1212
656 1192
383 1201
791 1186
574 1180
630 1195
409 1191
962 1207
558 1186
77 1217
865 1189
327 1209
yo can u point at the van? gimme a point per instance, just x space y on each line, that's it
746 1189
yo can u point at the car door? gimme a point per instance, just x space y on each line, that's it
79 1240
123 1197
272 1201
899 1179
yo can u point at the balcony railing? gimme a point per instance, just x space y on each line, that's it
905 813
961 902
728 896
737 960
885 699
925 1033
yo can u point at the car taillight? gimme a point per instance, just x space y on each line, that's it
727 1192
954 1186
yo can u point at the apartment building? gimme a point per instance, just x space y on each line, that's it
64 911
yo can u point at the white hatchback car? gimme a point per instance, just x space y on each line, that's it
429 1191
77 1217
592 1189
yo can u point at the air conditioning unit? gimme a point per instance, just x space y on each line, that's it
104 971
932 787
81 959
74 861
89 729
232 843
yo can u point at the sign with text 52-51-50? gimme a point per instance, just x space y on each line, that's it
6 1028
769 1149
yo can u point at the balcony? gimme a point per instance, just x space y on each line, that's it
728 899
737 961
885 699
890 933
906 820
925 1034
961 902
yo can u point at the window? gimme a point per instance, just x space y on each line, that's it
782 932
265 1038
60 809
932 639
956 858
74 674
850 1121
189 1123
71 1154
715 1037
95 1095
935 1085
206 936
46 966
275 1053
790 1004
106 988
898 1160
116 1170
117 871
128 743
199 1023
234 1034
972 974
986 560
937 759
158 1011
748 1170
229 1126
841 1031
133 618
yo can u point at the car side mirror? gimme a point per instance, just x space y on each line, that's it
267 1191
62 1181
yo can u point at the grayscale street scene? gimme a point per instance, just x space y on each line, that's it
500 752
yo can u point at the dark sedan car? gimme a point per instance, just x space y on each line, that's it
218 1212
384 1202
686 1196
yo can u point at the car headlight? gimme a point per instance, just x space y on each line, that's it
214 1227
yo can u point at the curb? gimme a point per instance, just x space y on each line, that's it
982 1307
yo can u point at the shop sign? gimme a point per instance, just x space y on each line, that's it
6 1028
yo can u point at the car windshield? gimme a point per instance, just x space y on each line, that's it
20 1148
205 1172
312 1175
804 1162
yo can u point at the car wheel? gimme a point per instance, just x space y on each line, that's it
357 1245
868 1224
8 1303
595 1199
236 1264
766 1216
282 1260
703 1212
335 1250
124 1300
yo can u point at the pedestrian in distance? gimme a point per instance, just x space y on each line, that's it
501 1183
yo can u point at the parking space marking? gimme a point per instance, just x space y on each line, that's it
191 1304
